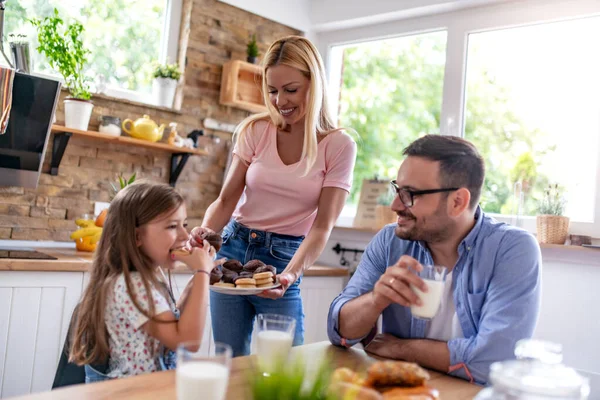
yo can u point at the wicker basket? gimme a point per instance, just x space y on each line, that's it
384 215
552 229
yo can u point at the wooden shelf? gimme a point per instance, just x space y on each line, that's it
62 134
241 86
127 140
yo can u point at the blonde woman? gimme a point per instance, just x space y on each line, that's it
287 184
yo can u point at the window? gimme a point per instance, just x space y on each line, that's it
124 36
391 94
519 80
533 110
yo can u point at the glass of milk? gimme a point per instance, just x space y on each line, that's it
274 340
435 279
201 374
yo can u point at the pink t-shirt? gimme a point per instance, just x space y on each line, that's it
277 198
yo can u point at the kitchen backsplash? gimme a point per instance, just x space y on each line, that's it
212 33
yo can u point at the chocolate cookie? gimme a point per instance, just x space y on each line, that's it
246 274
214 239
266 268
215 275
229 276
252 265
233 265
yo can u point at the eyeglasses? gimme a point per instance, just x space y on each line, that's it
407 197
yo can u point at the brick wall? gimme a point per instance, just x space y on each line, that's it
212 33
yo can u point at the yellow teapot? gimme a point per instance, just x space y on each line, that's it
144 128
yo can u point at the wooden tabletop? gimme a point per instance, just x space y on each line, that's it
161 385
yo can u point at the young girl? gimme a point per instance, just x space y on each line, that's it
128 320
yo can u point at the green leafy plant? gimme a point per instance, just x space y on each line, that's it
170 71
553 201
123 182
64 51
252 47
288 381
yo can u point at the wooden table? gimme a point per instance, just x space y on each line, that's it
161 385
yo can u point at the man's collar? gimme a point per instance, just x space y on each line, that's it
469 241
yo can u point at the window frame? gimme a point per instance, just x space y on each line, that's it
169 47
458 25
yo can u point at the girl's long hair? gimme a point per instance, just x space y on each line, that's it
297 52
118 253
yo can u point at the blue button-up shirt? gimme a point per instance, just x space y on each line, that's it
496 288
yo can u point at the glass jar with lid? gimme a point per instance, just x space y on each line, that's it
536 374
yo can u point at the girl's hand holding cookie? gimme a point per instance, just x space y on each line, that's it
198 258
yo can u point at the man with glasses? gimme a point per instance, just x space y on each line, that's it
492 291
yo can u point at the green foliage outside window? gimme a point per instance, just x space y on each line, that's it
123 36
392 94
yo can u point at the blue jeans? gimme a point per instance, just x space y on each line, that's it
233 316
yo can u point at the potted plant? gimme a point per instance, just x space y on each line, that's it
383 213
164 84
552 226
252 50
65 53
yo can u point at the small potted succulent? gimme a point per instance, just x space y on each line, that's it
252 50
66 53
383 213
552 226
164 84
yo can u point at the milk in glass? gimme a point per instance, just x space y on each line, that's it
201 380
431 299
273 346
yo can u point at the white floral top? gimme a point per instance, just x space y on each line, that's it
130 347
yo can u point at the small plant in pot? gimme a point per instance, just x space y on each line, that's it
164 84
65 52
383 212
552 226
252 50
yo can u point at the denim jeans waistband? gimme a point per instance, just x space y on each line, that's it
259 237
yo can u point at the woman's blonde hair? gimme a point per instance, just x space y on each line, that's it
118 253
297 52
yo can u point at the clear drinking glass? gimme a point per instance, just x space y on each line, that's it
201 375
274 340
435 278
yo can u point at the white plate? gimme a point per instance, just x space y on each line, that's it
242 292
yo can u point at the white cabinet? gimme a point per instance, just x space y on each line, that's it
35 309
317 294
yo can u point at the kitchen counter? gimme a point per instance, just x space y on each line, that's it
70 260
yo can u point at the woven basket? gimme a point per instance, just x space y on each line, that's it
552 229
384 215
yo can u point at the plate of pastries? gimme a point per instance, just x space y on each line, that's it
236 278
384 380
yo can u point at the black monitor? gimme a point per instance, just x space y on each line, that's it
23 145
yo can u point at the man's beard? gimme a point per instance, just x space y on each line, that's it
437 231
